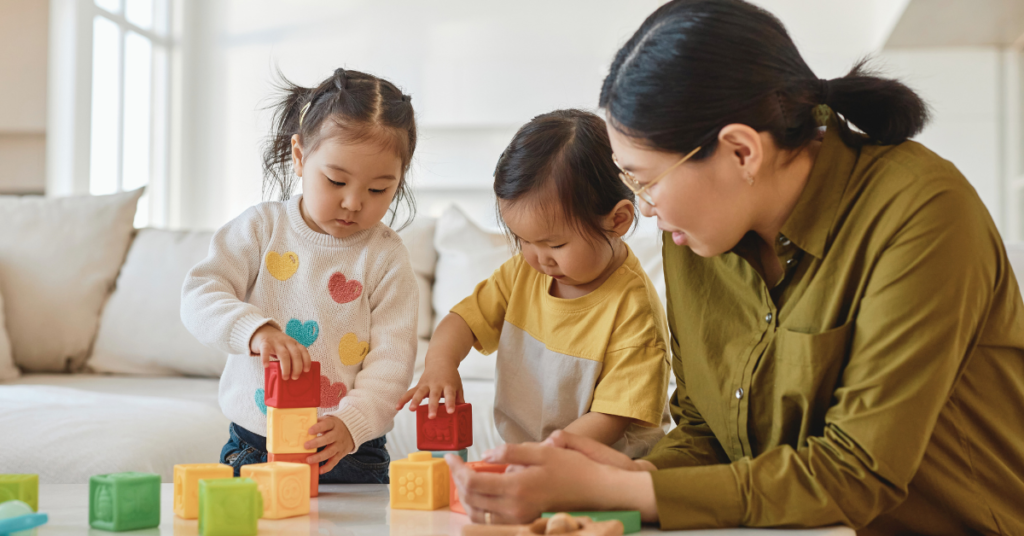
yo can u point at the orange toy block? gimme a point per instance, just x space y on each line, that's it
186 485
288 429
419 482
454 504
314 468
284 486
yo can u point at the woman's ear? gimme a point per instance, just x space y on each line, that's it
620 219
296 155
744 149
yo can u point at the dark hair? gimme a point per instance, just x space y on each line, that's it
361 107
564 160
695 66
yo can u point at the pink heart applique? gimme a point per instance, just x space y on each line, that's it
331 393
343 290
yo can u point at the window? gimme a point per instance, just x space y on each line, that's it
128 113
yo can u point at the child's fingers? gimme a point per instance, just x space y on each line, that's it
405 398
461 396
450 398
321 441
298 360
417 398
307 361
324 455
285 357
435 399
322 427
331 462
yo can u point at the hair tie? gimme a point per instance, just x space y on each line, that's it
824 92
406 98
302 114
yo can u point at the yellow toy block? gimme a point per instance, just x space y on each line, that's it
288 429
419 482
186 485
284 485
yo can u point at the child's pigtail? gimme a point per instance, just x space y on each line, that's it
278 177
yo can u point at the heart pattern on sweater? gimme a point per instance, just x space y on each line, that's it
343 290
351 350
261 401
305 333
284 266
331 393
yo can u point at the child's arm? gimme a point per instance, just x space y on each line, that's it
450 344
600 427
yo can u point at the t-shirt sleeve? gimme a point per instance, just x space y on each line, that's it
484 309
634 384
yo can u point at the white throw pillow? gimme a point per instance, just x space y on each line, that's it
141 330
7 369
58 262
418 238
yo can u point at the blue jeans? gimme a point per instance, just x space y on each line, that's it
368 465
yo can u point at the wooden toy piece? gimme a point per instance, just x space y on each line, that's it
284 486
186 485
124 501
454 504
21 487
630 518
288 429
301 393
314 468
229 507
561 524
419 482
444 432
463 453
17 516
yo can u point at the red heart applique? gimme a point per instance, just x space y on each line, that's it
331 393
343 290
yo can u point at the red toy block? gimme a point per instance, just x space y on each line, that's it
480 467
301 393
314 468
444 432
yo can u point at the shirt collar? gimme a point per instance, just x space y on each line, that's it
809 226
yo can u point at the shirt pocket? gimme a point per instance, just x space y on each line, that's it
806 371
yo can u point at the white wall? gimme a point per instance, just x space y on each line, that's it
23 51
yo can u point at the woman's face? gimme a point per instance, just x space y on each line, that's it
707 205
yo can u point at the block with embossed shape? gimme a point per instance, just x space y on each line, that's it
445 431
419 482
454 504
186 485
124 501
229 507
284 486
288 429
301 393
314 468
20 487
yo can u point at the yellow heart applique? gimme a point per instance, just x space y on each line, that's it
282 266
351 350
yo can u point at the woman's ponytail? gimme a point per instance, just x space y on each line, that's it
886 110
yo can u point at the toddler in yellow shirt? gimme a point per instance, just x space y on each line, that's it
577 324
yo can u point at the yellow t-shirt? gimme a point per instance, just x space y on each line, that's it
559 359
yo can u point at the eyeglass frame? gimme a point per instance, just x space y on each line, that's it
629 179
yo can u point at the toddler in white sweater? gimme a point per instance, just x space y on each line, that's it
318 277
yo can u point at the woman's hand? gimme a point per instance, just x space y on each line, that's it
596 451
334 437
548 479
439 380
269 341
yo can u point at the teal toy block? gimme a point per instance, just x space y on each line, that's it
229 507
440 454
124 501
630 518
24 488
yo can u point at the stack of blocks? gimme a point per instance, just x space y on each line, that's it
291 411
422 481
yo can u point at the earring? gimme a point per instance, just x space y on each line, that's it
749 178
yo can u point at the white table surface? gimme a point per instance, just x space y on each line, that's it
343 510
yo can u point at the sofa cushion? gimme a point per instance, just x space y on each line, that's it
418 238
7 369
58 262
141 330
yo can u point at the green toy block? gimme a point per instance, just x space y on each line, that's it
630 518
440 454
24 488
124 501
229 507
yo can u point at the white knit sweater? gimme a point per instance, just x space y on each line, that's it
351 301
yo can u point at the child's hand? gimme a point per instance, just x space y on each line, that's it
269 341
437 381
334 437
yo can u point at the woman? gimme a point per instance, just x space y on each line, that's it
845 324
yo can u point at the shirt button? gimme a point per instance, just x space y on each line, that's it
768 318
789 261
784 241
739 393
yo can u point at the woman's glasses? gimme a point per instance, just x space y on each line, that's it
642 190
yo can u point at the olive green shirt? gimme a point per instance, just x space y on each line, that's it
879 384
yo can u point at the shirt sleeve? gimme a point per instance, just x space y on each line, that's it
924 305
484 309
213 305
368 410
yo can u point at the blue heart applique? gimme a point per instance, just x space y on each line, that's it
305 333
260 402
